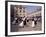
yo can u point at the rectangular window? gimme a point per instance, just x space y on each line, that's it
20 10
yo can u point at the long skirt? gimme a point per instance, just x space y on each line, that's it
21 24
33 25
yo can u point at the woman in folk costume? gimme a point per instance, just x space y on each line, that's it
22 23
33 25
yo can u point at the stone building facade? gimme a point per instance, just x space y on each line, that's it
19 11
34 15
